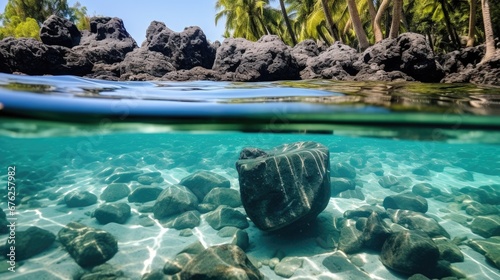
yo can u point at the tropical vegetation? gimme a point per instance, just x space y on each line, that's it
447 24
23 18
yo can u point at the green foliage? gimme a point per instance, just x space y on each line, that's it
22 18
28 29
444 22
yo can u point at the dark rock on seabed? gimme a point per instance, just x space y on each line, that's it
88 246
221 262
30 242
284 187
410 252
107 51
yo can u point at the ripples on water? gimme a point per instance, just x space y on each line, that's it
62 132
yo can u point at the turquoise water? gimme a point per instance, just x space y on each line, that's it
67 134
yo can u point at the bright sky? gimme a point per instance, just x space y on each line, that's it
138 14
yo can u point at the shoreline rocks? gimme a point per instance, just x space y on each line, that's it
108 52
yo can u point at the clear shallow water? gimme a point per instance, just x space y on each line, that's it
160 129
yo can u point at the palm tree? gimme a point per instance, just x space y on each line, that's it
245 18
488 31
377 29
357 24
472 23
287 22
332 27
301 11
397 9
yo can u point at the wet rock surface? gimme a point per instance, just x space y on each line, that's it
410 252
221 262
87 246
288 185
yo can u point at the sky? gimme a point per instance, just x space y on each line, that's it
138 14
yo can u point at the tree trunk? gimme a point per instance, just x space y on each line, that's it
377 29
488 31
372 11
358 26
397 9
472 23
332 28
451 31
287 22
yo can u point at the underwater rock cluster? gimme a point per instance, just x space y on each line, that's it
399 230
107 51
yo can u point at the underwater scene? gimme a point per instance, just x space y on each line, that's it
306 180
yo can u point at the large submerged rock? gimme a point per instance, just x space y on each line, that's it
88 246
286 186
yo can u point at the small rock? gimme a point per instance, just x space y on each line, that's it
352 194
448 251
227 231
144 194
478 209
486 226
104 271
80 199
388 181
123 177
88 246
489 247
174 200
406 201
223 196
343 170
148 180
201 182
240 239
421 171
30 242
418 221
338 185
221 262
425 190
287 267
435 165
205 208
350 241
357 161
410 252
114 192
375 232
112 213
186 232
189 219
225 216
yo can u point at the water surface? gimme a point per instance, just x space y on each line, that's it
63 133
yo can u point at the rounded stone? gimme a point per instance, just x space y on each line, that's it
114 192
80 199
